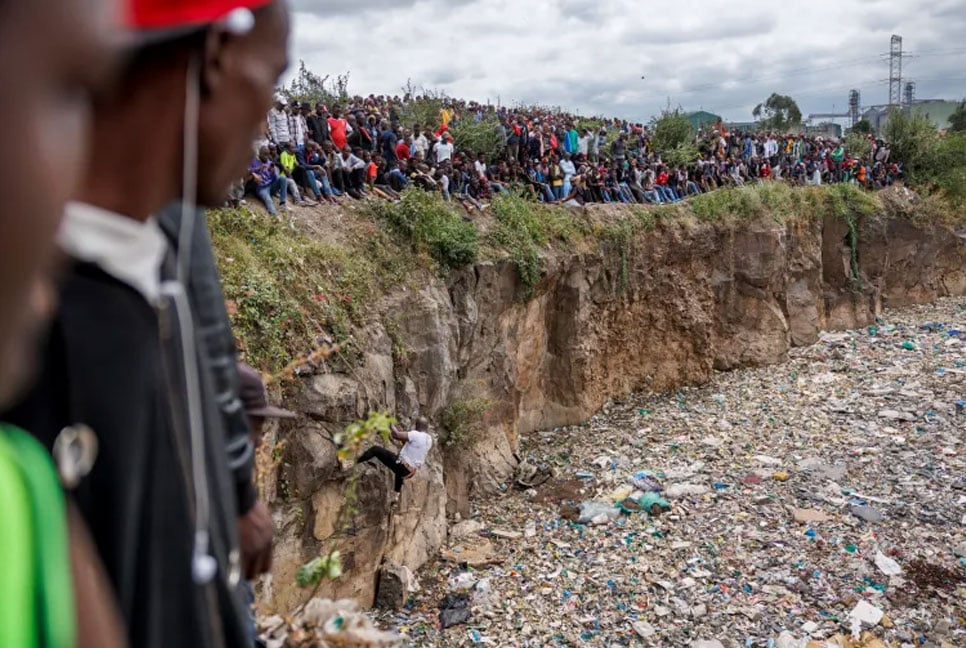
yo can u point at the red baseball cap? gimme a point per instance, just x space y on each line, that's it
169 18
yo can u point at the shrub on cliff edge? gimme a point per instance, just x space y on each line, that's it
432 226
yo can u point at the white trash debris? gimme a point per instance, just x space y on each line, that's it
887 565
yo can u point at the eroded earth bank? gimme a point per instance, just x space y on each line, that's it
656 312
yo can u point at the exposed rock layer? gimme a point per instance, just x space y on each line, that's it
664 311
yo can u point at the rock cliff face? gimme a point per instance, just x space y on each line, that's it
664 310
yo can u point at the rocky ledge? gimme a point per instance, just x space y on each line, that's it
662 309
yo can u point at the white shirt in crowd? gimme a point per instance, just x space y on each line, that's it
444 151
480 168
351 162
414 453
568 169
444 184
421 144
278 126
298 128
771 147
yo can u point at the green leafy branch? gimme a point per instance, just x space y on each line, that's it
328 565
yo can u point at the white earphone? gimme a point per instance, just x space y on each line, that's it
204 566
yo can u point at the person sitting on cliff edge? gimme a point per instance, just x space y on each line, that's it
417 444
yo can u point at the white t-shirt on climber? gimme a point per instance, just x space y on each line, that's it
415 451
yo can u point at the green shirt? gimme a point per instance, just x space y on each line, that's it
288 162
36 591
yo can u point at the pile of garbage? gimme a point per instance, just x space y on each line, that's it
814 504
323 623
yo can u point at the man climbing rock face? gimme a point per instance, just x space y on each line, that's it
410 459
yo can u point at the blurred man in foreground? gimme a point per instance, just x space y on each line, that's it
52 592
124 360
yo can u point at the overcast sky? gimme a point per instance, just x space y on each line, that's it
590 55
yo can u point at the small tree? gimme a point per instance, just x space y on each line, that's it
682 154
948 167
957 120
912 139
671 130
474 137
778 112
863 127
858 145
307 86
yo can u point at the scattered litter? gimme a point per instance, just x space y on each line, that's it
645 481
508 535
864 615
323 622
686 490
787 640
597 513
653 503
887 565
768 461
806 516
866 529
465 529
867 513
478 554
643 629
454 610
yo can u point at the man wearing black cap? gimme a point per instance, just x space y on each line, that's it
254 400
123 357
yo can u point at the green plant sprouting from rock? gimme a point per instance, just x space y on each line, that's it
328 565
523 228
463 421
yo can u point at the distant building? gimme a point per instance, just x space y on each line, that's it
938 111
702 119
744 127
829 130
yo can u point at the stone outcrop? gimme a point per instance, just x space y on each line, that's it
672 306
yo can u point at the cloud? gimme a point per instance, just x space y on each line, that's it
590 55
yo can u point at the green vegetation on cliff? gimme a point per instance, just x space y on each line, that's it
291 291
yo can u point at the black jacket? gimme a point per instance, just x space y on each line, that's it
113 362
220 359
318 128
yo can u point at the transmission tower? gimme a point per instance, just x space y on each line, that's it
895 71
908 95
854 98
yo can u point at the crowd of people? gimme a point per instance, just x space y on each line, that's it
368 148
128 513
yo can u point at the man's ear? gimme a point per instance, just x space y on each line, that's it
213 63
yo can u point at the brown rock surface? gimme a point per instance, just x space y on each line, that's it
693 297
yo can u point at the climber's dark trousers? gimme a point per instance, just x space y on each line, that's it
390 460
